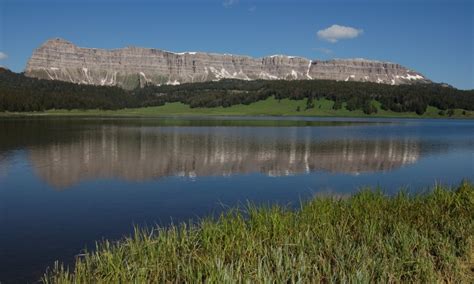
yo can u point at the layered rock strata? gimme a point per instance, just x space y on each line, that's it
129 67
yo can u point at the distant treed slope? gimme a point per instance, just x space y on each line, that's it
354 95
20 93
130 67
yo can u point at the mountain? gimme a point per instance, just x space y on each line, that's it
58 59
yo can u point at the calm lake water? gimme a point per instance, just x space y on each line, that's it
67 182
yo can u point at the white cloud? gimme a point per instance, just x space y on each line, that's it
337 32
3 55
229 3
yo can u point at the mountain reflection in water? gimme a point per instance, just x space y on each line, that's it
139 154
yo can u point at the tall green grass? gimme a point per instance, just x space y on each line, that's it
368 237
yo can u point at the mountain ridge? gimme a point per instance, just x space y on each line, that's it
130 67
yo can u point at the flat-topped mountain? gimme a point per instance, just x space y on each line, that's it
129 67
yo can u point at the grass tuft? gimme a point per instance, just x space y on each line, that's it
368 237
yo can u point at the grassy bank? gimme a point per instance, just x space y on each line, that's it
368 237
270 106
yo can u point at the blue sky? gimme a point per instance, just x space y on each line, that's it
432 37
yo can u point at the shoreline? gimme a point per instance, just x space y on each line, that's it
113 114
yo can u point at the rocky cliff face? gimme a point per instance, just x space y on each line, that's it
129 67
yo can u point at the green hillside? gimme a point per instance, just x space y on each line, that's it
270 106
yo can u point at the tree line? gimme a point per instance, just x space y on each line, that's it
351 95
20 93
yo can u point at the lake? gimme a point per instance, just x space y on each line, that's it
67 182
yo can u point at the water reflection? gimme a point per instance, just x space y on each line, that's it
3 165
145 153
65 152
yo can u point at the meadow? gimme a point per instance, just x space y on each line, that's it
269 106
